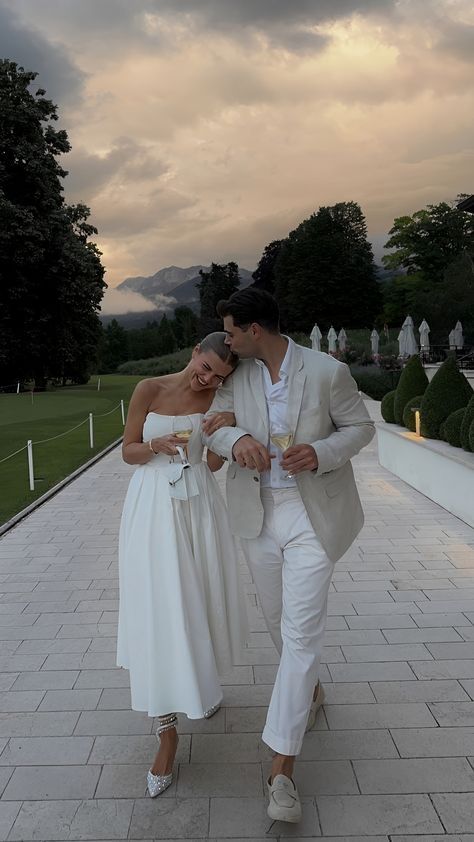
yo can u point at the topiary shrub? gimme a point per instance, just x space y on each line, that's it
386 407
466 424
448 391
413 381
442 430
408 414
452 427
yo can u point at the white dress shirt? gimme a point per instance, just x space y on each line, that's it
276 396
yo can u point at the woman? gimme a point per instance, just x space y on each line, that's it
182 618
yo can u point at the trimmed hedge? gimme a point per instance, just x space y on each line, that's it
372 380
413 381
452 427
449 390
466 425
386 407
471 436
409 415
442 430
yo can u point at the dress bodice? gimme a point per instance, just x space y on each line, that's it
162 425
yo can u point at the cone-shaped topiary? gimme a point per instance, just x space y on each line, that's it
452 427
386 407
448 390
466 424
413 381
442 430
408 413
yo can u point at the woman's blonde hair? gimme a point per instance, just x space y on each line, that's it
216 342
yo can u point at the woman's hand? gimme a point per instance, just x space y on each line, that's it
216 421
166 444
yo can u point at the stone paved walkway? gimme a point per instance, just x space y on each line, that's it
392 752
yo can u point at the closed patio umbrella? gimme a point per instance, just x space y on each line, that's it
452 340
458 337
410 345
315 337
374 342
332 337
424 335
342 339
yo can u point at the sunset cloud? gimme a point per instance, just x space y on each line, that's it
203 129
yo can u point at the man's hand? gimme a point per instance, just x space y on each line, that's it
216 421
298 458
250 453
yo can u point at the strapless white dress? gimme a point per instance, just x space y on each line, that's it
182 617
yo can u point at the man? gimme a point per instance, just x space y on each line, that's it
296 513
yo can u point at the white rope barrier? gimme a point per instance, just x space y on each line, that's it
13 454
29 445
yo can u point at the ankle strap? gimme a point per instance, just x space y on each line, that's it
166 722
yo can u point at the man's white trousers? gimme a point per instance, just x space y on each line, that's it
292 574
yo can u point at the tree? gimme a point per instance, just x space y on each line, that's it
434 247
114 349
264 275
51 277
220 282
325 271
429 240
185 326
166 338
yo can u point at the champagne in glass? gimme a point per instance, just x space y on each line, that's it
183 429
282 438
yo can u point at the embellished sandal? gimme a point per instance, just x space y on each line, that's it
156 784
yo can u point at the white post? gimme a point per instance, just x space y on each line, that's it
91 430
122 410
98 385
18 388
31 474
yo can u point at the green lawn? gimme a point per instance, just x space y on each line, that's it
50 414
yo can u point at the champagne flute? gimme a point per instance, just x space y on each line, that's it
282 438
183 429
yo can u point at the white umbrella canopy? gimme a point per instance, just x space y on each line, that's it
374 342
424 330
332 337
342 339
410 345
316 337
402 343
458 336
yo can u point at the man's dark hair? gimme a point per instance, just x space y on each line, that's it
251 305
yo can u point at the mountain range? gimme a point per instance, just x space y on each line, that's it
166 289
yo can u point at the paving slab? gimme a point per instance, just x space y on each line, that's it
392 754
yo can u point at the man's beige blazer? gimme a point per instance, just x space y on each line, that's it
324 410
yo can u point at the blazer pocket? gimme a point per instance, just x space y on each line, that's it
333 489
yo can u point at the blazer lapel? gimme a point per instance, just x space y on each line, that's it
296 381
258 391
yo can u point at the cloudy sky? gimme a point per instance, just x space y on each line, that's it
203 129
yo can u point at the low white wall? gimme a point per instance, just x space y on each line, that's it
443 473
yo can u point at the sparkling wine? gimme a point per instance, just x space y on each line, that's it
282 440
184 435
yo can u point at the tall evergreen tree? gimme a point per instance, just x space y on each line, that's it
185 326
51 277
264 275
114 348
220 282
166 338
325 271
